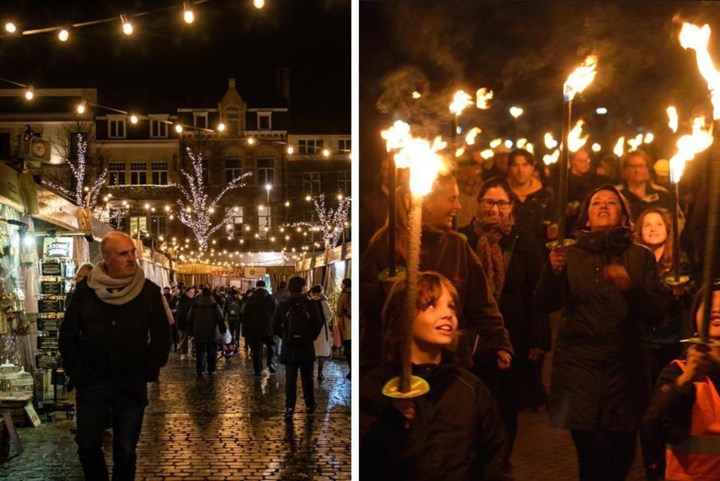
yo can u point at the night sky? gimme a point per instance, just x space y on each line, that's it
524 52
168 64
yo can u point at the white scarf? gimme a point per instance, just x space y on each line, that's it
124 289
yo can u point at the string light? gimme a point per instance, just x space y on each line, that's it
290 150
197 218
30 93
259 4
63 35
127 27
81 107
10 27
326 153
221 127
178 128
133 119
188 14
251 140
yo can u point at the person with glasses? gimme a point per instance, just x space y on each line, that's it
513 259
534 207
638 188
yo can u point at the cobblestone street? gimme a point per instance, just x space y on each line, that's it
226 427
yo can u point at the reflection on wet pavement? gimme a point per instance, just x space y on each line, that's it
226 426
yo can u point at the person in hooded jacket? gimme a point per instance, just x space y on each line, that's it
451 433
207 319
608 288
258 313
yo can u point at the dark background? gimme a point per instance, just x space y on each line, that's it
524 52
168 64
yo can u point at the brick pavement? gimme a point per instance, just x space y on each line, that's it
226 427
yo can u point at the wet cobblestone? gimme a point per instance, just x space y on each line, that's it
228 426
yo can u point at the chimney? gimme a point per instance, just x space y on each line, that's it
231 83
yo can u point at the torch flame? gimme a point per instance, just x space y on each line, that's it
417 154
672 118
635 142
521 143
551 158
483 96
580 78
487 154
619 148
575 142
649 137
460 101
495 143
697 38
550 142
530 148
470 137
689 146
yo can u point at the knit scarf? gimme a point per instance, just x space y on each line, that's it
115 291
489 251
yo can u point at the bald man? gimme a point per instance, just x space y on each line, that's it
114 340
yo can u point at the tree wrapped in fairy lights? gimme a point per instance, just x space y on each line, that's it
196 208
332 222
82 195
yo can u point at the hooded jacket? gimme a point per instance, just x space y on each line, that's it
258 314
204 317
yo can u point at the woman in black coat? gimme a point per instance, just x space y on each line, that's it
608 288
207 320
512 260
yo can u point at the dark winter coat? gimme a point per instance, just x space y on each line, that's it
258 313
448 253
129 343
298 354
456 435
206 318
600 377
183 309
655 196
534 214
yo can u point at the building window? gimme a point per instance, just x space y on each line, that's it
116 173
158 129
116 128
311 183
233 168
344 145
265 172
158 225
138 173
232 122
343 180
264 220
138 223
159 173
235 225
264 121
309 146
200 120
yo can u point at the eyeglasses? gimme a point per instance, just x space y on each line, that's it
501 204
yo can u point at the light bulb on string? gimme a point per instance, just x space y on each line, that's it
63 35
30 93
133 119
290 150
10 27
178 128
221 127
81 107
251 140
127 27
188 15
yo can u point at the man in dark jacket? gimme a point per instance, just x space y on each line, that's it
114 339
298 322
258 314
205 316
183 309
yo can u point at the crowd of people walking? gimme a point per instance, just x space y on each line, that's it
487 290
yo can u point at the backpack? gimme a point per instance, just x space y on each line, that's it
233 308
297 325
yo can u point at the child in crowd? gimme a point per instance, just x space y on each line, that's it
453 432
685 408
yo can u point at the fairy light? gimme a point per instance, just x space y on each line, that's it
83 195
10 27
290 150
221 127
196 206
259 4
81 107
30 93
133 119
331 221
251 140
178 128
63 35
326 153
